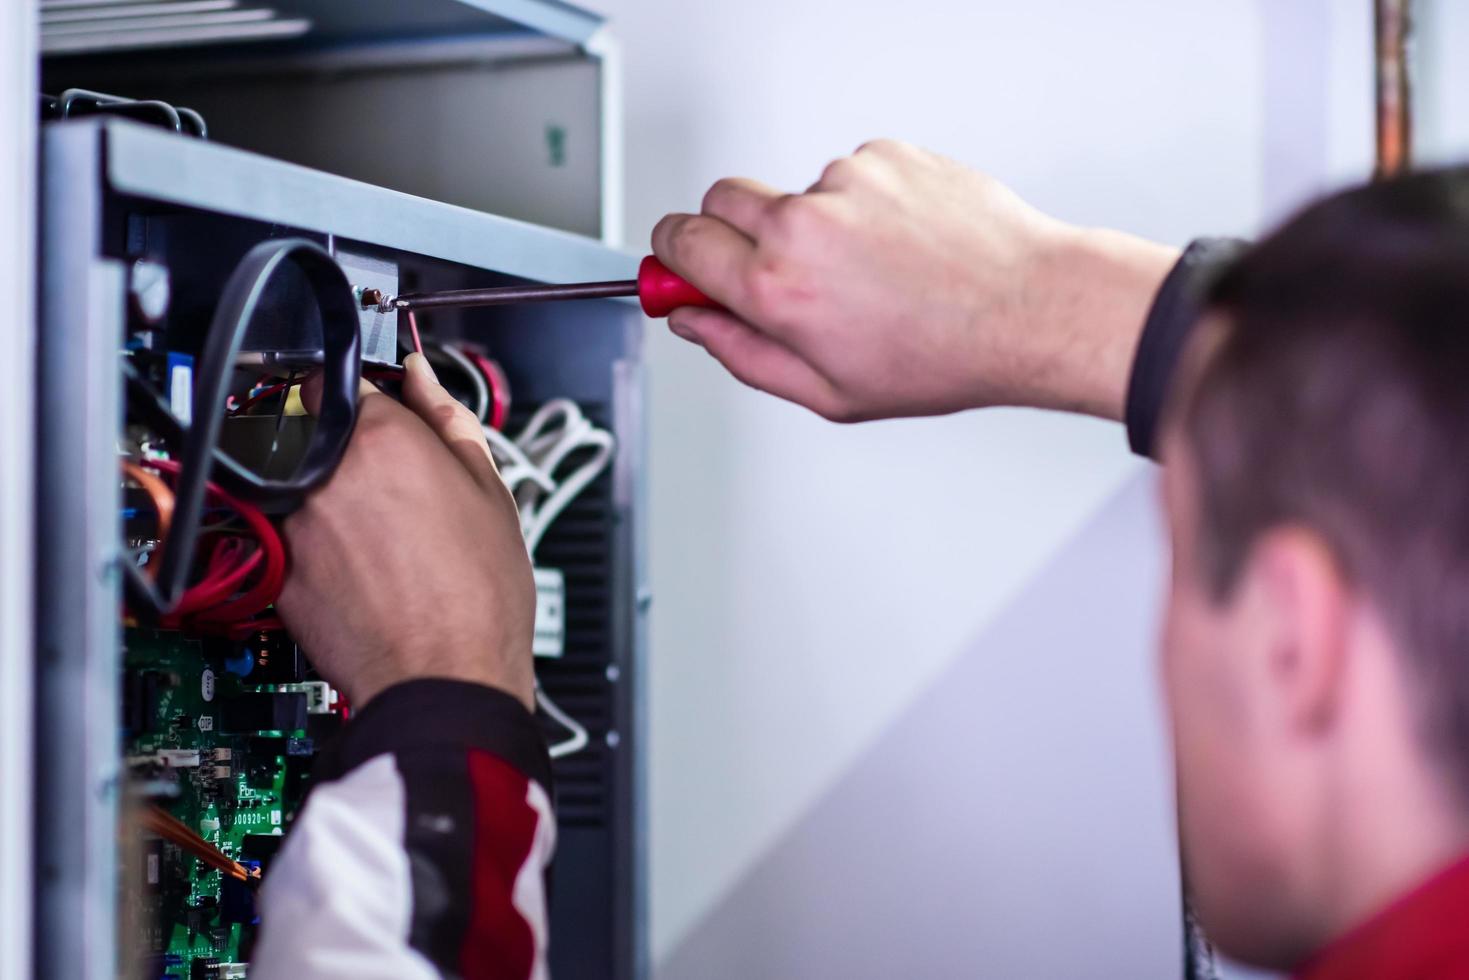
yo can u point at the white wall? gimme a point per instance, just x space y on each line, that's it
1442 134
811 581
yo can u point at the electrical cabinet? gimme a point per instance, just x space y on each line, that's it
140 228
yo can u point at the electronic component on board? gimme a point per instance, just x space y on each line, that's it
277 659
264 712
142 697
321 697
237 899
261 848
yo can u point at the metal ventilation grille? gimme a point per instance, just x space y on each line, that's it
579 543
77 26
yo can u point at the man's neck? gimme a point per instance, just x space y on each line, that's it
1395 821
1384 866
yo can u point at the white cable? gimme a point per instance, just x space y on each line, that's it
579 738
514 466
476 378
553 505
529 464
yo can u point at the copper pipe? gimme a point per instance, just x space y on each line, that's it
1394 89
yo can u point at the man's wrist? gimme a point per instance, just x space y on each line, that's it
488 671
432 714
1094 289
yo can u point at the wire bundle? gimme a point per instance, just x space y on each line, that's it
262 389
553 459
244 568
535 464
538 467
489 392
204 472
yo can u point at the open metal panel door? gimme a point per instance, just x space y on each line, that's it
79 535
17 420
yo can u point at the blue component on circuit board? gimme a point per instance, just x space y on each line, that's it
240 663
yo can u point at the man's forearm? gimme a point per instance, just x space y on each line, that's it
1119 311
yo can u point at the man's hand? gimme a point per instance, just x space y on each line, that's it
903 283
409 562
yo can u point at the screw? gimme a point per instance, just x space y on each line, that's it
371 297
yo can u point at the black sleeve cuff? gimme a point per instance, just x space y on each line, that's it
439 714
1175 310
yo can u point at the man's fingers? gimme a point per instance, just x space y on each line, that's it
311 392
453 423
709 253
740 202
757 360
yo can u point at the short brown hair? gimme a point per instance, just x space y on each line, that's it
1338 399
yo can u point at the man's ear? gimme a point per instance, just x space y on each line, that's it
1302 602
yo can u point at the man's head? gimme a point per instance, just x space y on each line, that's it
1316 649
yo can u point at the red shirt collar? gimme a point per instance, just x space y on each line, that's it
1424 935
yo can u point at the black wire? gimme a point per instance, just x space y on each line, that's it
200 457
280 419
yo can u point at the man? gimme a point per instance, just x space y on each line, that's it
1312 415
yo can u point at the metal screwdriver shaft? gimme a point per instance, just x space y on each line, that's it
660 290
505 295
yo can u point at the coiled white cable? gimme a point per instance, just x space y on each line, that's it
529 464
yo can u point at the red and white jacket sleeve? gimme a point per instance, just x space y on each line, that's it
423 847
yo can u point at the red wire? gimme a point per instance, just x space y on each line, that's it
264 592
223 578
263 394
413 331
499 387
247 629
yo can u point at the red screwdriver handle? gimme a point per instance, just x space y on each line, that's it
662 290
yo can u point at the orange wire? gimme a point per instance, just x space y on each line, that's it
162 497
165 824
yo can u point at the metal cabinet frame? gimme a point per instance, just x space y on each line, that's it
88 168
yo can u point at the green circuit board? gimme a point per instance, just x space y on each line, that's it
191 747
